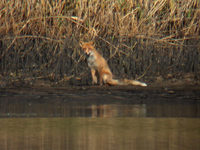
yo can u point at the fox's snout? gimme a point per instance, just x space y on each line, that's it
86 50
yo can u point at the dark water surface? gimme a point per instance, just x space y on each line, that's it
116 118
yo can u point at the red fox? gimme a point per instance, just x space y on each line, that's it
98 64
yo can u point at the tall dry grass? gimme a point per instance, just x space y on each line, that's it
54 19
34 32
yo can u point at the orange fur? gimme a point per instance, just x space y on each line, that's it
98 64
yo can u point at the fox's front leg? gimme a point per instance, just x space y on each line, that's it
94 77
100 79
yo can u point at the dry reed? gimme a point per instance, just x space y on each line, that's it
161 19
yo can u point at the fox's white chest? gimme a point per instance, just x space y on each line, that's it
92 60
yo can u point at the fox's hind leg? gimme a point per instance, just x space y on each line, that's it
94 77
107 79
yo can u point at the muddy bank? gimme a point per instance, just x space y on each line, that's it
182 81
107 94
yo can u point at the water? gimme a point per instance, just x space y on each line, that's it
112 119
99 133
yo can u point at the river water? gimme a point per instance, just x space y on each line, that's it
99 119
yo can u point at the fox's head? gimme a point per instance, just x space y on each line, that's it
87 46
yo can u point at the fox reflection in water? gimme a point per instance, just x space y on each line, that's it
118 110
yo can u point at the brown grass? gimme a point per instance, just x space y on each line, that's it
164 20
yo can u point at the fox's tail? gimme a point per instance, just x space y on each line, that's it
109 80
133 82
125 82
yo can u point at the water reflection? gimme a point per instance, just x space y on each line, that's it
99 134
98 103
66 110
98 110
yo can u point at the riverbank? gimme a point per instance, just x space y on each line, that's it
152 41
